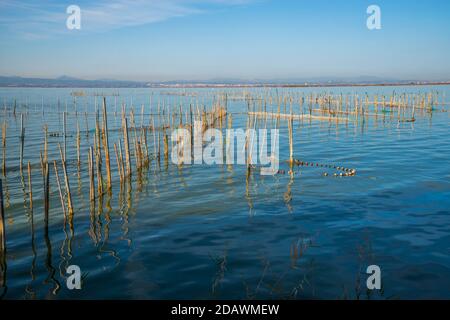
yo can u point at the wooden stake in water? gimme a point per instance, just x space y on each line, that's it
78 145
91 175
99 175
64 133
45 144
66 179
118 163
291 141
61 197
4 148
127 146
106 142
122 166
30 189
166 145
22 140
46 192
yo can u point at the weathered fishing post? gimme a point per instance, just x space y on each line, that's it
118 164
291 141
159 147
154 139
66 179
4 148
99 175
127 146
106 144
91 175
229 138
122 166
98 141
166 145
61 196
22 140
30 188
136 145
191 131
65 136
78 146
45 143
146 161
46 193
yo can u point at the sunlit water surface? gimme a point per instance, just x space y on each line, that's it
200 232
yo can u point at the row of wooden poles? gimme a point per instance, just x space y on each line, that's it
422 100
332 106
132 141
137 141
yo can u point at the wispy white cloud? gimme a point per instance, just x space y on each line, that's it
47 18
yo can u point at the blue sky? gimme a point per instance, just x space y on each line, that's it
203 39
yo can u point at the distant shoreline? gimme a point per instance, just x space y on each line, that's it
225 85
287 85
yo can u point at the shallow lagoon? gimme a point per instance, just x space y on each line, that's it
201 232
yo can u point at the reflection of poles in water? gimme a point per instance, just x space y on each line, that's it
46 190
127 203
221 263
30 188
48 260
98 218
66 238
119 163
61 196
92 225
29 289
102 248
2 244
2 223
247 189
64 262
288 193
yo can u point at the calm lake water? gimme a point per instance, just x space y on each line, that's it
199 231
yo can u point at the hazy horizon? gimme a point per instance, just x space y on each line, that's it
223 80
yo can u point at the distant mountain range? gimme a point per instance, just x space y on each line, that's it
70 82
66 82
